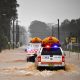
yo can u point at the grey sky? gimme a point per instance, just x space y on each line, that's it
47 10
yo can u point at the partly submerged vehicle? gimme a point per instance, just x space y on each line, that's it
50 54
32 48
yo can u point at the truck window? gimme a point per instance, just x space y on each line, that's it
51 51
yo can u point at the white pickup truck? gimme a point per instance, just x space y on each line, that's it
50 57
32 49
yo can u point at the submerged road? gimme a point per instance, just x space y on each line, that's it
13 66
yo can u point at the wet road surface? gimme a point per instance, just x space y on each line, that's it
13 66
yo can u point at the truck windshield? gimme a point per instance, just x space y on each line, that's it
51 51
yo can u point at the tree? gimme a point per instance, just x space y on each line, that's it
39 29
3 42
65 25
8 12
71 28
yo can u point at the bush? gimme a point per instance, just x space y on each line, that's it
3 42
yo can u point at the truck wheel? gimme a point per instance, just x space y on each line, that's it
27 59
38 68
63 67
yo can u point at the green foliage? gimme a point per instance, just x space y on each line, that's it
65 25
3 42
39 29
8 12
71 29
8 7
72 26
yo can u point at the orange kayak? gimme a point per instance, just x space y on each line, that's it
36 40
50 40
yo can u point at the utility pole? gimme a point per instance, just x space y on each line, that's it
9 40
17 33
13 33
58 30
52 31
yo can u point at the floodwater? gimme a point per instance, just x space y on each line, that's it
13 66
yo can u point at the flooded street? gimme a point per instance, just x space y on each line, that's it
13 66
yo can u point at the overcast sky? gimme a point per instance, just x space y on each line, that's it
47 11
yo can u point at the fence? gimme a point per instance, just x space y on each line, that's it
73 48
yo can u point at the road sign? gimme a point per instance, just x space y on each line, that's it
73 39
